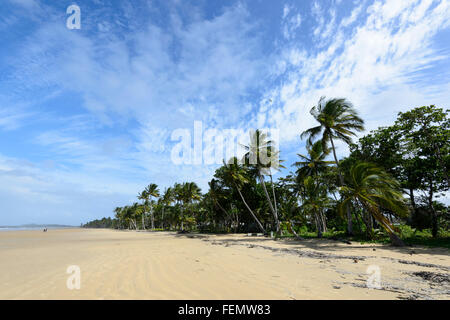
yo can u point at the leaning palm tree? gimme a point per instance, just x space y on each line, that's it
235 176
262 156
179 196
215 192
132 212
371 188
152 191
337 121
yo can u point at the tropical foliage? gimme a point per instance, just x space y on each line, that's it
393 176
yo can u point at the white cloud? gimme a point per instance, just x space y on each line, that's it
373 66
353 16
291 22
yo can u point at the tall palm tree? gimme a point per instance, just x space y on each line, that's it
235 176
191 193
261 155
166 199
372 188
152 191
144 197
179 197
337 121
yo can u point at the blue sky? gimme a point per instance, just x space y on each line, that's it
86 115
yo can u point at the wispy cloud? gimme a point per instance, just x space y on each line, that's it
373 65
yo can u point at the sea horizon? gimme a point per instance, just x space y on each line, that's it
30 227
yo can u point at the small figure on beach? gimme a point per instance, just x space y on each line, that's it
45 229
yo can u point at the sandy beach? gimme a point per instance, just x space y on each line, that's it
163 265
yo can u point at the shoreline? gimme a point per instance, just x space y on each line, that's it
35 229
167 265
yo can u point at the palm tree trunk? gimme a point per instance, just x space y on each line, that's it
221 208
152 217
250 210
324 221
291 227
274 201
261 179
341 178
318 224
395 240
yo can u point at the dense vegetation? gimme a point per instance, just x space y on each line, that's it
387 188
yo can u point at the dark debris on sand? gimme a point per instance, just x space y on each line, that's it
432 277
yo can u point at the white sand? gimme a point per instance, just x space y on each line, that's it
162 265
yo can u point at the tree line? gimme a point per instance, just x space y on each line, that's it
394 175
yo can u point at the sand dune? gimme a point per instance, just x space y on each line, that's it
162 265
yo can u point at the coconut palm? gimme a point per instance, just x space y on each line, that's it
144 197
191 193
130 213
234 174
167 199
262 155
371 188
337 121
314 163
119 215
215 192
152 191
315 200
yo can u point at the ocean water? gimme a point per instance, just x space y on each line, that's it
29 228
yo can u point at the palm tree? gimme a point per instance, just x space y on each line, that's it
315 200
314 163
217 193
235 176
119 214
166 199
179 198
130 214
262 155
191 193
337 120
144 197
152 191
372 188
